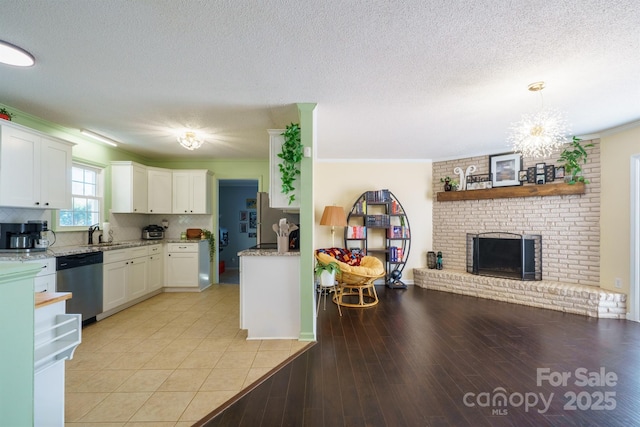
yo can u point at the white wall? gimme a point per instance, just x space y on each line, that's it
341 183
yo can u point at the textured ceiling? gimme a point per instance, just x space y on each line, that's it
418 79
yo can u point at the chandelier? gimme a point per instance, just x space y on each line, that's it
539 134
190 141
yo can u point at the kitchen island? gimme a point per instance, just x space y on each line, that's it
270 294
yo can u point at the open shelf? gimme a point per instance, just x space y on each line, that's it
560 189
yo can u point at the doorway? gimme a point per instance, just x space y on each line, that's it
236 199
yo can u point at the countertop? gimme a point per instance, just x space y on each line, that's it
47 298
55 251
267 252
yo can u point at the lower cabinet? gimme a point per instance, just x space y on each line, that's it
155 268
188 265
45 280
128 275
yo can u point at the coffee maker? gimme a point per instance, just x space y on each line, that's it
23 237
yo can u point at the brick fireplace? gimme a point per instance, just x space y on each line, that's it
569 226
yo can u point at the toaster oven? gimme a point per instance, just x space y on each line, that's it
153 232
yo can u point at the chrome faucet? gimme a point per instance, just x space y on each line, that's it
93 228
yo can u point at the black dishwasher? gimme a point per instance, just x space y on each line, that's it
81 274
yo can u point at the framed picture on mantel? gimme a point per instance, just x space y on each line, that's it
505 169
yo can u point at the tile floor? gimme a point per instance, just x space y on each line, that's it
167 361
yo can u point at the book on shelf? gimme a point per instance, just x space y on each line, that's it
378 196
398 232
356 232
360 207
395 254
395 208
377 221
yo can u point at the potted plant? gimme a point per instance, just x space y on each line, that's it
449 184
5 115
573 157
327 273
291 156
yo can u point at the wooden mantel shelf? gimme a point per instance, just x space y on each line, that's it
560 189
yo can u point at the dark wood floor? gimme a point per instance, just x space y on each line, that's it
423 358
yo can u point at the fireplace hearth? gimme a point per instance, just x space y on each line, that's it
508 255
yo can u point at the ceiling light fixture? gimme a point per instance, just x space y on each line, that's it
190 141
14 55
538 135
99 137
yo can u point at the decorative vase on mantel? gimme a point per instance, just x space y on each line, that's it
447 185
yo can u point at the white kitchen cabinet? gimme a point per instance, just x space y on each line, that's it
188 265
277 199
129 188
45 280
192 191
137 283
114 282
155 267
35 169
124 277
160 189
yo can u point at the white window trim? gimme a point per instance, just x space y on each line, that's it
55 215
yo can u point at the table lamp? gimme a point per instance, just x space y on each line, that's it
335 217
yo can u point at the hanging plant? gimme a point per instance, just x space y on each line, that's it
212 242
291 156
573 157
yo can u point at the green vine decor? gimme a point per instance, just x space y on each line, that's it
291 156
212 242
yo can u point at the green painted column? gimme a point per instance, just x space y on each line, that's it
307 112
16 335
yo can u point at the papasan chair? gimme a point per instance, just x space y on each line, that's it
356 277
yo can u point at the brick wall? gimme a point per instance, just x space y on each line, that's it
569 225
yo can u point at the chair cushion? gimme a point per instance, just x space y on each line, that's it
343 255
369 265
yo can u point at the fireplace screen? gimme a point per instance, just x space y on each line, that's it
508 255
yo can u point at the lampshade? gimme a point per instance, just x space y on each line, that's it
538 135
334 216
190 140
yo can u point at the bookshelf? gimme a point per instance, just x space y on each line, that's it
377 225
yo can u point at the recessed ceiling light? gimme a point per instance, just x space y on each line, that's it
99 137
13 55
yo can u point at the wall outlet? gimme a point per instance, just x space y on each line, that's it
617 282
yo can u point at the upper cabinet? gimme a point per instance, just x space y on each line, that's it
277 199
136 188
192 191
129 187
160 189
35 169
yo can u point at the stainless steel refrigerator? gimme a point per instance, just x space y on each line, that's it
267 216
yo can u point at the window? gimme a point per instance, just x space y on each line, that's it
86 190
